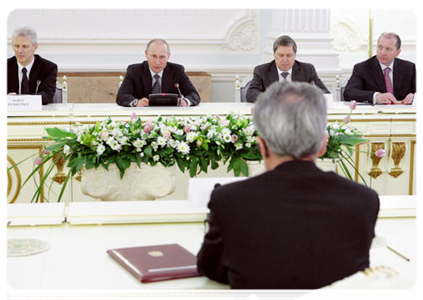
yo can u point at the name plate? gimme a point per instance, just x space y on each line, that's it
24 102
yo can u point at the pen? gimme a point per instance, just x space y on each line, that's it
397 253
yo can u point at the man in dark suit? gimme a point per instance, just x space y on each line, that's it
294 226
383 78
29 73
283 68
156 75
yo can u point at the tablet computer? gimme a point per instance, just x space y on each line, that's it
163 99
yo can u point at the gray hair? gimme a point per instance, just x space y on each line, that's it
158 41
285 40
291 117
390 35
26 31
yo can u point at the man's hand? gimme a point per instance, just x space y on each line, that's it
387 98
408 99
183 102
142 102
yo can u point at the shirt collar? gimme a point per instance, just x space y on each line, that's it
153 73
391 66
28 67
280 71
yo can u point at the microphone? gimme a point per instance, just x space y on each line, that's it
179 91
38 84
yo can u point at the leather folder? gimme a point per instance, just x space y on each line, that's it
157 263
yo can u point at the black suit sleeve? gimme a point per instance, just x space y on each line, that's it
317 81
188 89
210 257
356 88
256 86
126 91
47 87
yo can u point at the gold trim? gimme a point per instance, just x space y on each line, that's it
142 295
398 152
29 140
10 180
38 123
375 171
389 135
41 170
411 183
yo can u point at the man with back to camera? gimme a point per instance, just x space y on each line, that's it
294 226
383 78
284 67
156 75
27 72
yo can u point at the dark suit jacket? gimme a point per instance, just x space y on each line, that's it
367 78
266 74
137 83
295 227
42 69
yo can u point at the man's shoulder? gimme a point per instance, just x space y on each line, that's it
43 61
11 59
265 66
405 63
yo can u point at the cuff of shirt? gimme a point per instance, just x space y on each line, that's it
374 97
187 100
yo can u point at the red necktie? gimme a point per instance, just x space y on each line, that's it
388 81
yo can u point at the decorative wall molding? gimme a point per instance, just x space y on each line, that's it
347 37
237 30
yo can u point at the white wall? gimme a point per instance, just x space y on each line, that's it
222 42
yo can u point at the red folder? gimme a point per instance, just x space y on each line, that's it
156 263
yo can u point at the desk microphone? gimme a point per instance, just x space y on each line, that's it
38 84
179 91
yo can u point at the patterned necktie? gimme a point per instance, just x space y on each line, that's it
156 87
284 75
388 81
24 83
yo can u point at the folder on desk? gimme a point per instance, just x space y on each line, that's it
157 263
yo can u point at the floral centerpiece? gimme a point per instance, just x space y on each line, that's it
193 144
342 143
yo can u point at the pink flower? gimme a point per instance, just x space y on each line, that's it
347 119
104 135
148 127
380 153
353 104
38 161
45 151
133 116
187 128
234 138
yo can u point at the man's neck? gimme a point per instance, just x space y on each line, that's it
274 161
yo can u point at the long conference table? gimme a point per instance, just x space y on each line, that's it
79 234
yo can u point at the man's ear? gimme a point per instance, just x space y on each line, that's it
324 145
263 147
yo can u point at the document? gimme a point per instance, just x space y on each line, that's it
157 263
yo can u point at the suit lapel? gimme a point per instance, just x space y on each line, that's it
167 79
146 79
35 71
296 72
398 74
377 74
273 73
